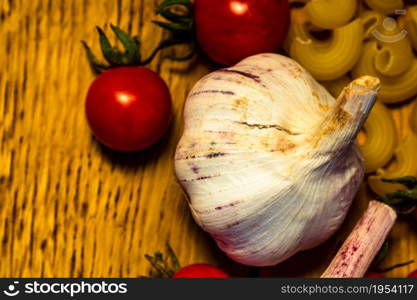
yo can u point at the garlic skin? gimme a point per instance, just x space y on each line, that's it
267 159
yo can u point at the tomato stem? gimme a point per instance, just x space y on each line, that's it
180 27
384 270
383 252
161 265
403 201
97 66
114 57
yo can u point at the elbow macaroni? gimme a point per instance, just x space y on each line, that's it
298 22
371 21
372 44
413 120
406 165
395 52
393 89
385 6
394 58
330 14
411 25
381 138
330 59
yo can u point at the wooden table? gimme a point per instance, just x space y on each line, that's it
70 207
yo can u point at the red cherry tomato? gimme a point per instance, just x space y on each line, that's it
128 108
200 271
413 274
230 30
373 275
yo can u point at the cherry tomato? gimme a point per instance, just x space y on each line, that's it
128 108
200 271
413 274
373 275
230 30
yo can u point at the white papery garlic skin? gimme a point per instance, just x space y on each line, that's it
267 158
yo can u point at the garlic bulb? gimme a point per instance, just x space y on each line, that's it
267 158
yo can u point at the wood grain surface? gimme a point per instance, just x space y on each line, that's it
70 207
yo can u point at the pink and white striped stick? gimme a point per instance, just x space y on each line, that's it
364 242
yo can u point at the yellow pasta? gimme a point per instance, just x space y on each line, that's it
387 53
393 89
381 138
297 27
361 7
396 52
413 119
335 87
385 6
410 21
406 165
371 21
330 14
393 59
330 59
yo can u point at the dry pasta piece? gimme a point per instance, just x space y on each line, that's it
413 119
394 89
393 59
381 138
330 14
371 21
406 165
361 7
395 51
298 23
410 21
329 59
385 6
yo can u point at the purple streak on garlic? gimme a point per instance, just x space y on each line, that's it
267 158
363 244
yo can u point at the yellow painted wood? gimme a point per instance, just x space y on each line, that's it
68 206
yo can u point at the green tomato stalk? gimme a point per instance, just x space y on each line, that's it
179 25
